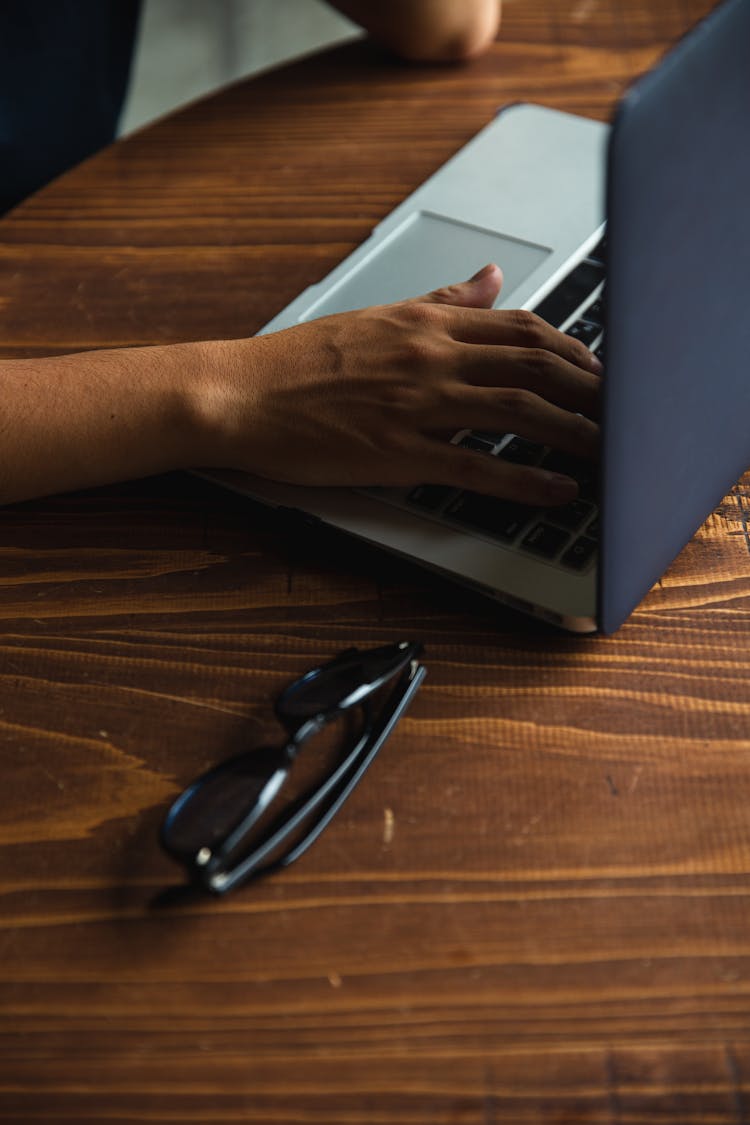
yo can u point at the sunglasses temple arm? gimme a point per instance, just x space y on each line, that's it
373 743
378 738
269 791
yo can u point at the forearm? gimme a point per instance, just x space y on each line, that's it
428 30
361 398
75 421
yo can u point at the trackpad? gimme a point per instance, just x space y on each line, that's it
425 252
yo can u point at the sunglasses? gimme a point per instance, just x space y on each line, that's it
262 809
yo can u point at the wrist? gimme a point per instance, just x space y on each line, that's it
215 386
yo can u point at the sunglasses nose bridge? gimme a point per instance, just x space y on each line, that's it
299 730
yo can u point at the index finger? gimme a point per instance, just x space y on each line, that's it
518 328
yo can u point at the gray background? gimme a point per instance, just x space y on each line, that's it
188 47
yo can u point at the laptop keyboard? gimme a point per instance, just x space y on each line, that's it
564 536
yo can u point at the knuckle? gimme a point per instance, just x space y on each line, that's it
422 353
578 435
397 444
422 314
529 325
447 294
588 432
404 398
517 400
541 361
581 355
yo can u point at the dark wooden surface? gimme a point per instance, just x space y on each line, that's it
535 908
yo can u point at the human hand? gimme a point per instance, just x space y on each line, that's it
371 397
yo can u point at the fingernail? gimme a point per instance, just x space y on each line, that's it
596 364
485 270
560 489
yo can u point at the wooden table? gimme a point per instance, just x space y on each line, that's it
535 908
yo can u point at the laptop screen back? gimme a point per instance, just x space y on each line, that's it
676 410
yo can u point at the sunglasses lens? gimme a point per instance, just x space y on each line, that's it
218 802
332 685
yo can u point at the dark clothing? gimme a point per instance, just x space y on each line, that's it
64 67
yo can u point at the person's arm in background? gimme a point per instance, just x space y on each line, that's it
427 30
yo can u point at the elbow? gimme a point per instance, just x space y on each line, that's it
457 43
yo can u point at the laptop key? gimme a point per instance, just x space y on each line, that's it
599 253
571 292
585 331
580 553
521 452
543 539
489 435
471 441
588 484
594 313
571 516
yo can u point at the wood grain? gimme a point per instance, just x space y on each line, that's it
534 910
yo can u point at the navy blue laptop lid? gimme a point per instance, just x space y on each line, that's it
676 409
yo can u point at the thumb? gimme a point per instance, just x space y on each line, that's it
479 292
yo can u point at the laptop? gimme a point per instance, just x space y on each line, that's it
658 204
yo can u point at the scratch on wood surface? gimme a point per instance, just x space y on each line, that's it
55 780
190 701
489 1104
613 1101
735 1079
734 515
741 497
389 826
635 779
